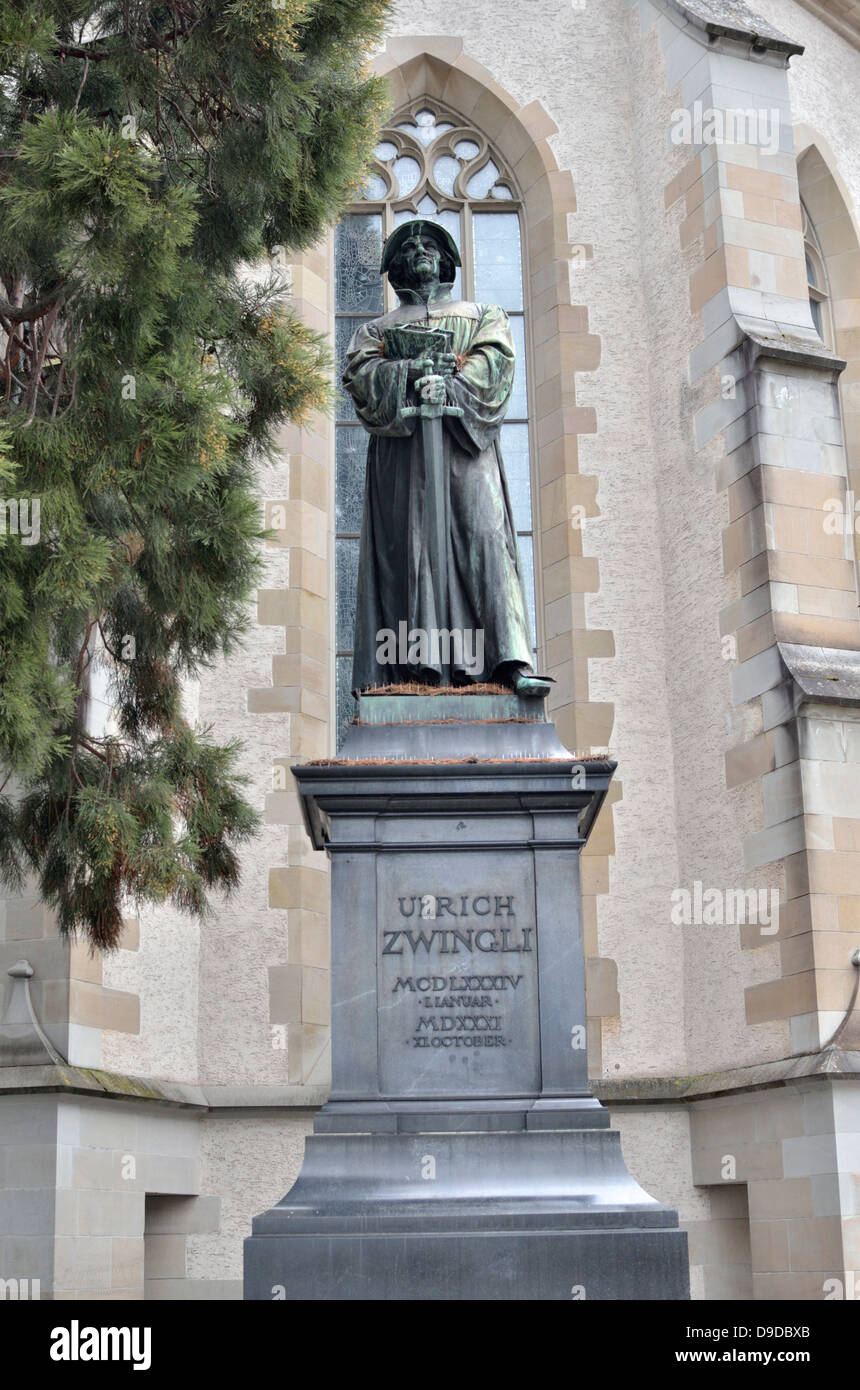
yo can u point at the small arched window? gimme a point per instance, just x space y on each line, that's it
817 283
427 164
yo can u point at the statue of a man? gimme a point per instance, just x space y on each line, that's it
438 549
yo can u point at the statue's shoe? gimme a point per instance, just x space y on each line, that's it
533 687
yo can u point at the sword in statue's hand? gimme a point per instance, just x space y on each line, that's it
433 409
429 352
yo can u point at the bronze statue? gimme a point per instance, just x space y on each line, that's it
440 594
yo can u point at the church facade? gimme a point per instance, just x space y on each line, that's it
664 195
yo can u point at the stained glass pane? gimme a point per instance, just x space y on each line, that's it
527 556
519 404
346 705
344 329
426 122
498 259
425 128
445 171
385 150
480 184
374 188
427 206
466 149
450 220
351 450
407 172
358 252
515 452
501 190
346 576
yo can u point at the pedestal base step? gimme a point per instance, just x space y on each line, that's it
545 1214
553 1266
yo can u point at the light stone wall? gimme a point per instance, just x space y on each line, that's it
712 824
655 1141
72 1002
28 1190
776 443
74 1174
699 836
109 1154
797 1150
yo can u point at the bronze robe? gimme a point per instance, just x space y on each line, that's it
485 577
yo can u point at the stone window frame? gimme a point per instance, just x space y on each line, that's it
828 206
818 282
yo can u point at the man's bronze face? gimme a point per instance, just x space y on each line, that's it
421 256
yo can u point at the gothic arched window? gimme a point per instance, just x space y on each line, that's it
427 164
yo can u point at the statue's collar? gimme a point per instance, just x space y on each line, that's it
439 292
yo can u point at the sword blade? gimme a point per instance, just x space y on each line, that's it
437 519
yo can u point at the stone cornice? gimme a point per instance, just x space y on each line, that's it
88 1081
733 20
833 1064
769 339
822 674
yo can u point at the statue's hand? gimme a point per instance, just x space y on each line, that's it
432 389
417 369
446 364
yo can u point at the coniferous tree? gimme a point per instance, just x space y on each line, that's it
149 154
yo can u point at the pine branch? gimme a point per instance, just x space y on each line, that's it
149 513
40 362
73 50
26 313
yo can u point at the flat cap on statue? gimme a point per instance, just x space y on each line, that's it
413 228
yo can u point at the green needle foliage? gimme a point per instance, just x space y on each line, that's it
149 154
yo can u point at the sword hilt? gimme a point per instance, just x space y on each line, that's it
431 411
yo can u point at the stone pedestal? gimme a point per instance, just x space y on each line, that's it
461 1154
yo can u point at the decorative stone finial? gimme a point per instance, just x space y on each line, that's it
23 1041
